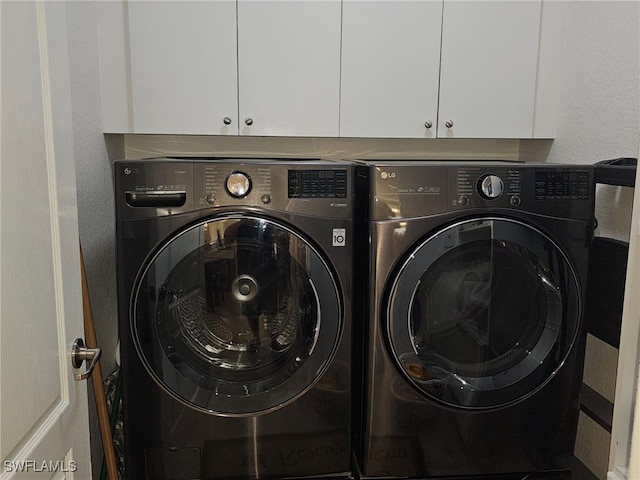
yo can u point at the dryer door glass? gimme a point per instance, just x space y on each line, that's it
237 315
483 313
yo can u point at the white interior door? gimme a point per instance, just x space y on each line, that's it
43 411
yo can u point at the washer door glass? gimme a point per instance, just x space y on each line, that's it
236 315
483 313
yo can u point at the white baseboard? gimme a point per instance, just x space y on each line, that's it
620 473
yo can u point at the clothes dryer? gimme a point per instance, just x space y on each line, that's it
234 287
475 343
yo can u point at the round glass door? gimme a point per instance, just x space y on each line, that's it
236 315
483 313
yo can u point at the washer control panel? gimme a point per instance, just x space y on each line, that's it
167 186
218 184
261 184
317 183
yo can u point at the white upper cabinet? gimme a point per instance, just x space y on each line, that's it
468 69
289 67
390 68
488 68
221 67
330 68
183 61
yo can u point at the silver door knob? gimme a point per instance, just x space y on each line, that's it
428 124
448 124
226 121
248 121
80 354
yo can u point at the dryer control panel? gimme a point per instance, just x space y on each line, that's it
490 184
412 189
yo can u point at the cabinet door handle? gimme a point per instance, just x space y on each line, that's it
226 121
448 124
428 124
248 121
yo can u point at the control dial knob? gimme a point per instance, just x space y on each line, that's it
490 186
238 184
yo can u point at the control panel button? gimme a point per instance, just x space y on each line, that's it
266 198
490 186
210 198
463 200
515 200
238 184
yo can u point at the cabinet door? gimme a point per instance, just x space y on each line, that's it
390 68
488 68
289 67
183 67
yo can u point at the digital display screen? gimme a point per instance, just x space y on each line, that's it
556 185
317 183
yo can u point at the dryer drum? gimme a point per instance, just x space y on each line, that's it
483 313
467 298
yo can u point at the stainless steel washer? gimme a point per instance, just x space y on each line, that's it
235 282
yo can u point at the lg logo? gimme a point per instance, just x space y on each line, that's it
386 175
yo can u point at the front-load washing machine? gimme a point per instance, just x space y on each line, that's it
475 343
234 287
